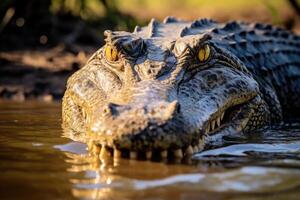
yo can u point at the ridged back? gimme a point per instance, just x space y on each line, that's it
271 53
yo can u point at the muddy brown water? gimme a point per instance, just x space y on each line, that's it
36 162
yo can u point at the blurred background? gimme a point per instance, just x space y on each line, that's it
42 42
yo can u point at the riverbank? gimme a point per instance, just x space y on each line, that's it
39 73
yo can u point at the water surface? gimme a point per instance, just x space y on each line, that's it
36 162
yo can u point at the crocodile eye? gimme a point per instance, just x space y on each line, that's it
204 53
111 53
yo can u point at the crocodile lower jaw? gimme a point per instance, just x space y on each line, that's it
105 151
214 125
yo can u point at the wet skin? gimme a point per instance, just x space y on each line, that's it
166 88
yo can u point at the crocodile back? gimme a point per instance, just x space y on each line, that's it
271 54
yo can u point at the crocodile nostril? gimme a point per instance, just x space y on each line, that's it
106 111
171 108
112 108
178 108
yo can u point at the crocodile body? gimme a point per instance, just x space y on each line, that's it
167 87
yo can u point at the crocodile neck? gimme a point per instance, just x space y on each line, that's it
271 54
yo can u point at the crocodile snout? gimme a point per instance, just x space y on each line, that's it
137 127
163 110
128 120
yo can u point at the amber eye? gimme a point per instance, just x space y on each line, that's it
111 53
204 53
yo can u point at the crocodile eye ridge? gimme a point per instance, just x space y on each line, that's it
111 53
204 53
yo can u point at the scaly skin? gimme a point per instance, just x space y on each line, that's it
158 97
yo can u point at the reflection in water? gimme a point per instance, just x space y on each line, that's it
30 166
115 179
36 162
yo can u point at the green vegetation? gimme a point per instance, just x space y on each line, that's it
203 8
86 9
93 9
58 19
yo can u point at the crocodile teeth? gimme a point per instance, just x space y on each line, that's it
96 149
189 150
200 142
117 153
218 121
213 123
195 149
148 155
207 129
178 153
104 153
90 145
133 155
93 148
164 154
201 145
222 115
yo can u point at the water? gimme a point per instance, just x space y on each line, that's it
36 162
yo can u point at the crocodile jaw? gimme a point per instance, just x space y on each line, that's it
163 121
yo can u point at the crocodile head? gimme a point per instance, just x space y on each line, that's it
162 89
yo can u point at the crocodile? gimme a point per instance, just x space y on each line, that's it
169 87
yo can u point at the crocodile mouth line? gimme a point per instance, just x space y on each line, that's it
216 123
222 118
